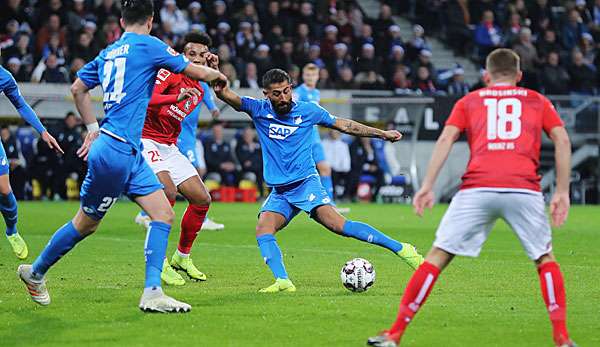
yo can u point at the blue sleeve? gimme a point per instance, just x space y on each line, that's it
166 57
10 88
208 99
323 117
89 74
250 105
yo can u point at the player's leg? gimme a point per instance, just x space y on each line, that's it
8 207
330 218
199 200
525 213
268 224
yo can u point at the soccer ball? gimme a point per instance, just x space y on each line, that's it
357 275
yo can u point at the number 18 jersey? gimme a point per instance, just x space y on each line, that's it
504 128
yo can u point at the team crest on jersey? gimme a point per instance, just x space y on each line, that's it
187 105
280 132
298 120
172 52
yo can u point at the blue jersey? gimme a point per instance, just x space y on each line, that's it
9 87
304 93
126 70
187 137
286 140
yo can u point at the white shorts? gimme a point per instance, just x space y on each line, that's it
473 213
168 158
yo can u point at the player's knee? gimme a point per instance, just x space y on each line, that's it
202 198
546 258
264 229
171 194
165 216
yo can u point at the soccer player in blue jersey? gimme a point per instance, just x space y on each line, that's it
8 203
308 92
126 70
285 129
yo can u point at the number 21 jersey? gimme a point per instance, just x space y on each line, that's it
504 128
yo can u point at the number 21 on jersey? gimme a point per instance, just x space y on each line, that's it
503 118
116 94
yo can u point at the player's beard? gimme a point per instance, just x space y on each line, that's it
283 108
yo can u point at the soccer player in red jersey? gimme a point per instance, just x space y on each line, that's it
504 126
174 97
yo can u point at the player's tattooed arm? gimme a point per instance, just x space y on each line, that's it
351 127
228 96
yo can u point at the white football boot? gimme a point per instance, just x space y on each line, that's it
36 288
157 301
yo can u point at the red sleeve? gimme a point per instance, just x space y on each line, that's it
458 116
164 79
550 118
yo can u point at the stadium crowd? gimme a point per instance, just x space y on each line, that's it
228 157
556 40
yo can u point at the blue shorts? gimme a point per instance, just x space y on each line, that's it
114 168
4 162
289 200
189 150
317 148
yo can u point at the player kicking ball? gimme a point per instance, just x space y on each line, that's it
285 131
308 92
503 124
126 70
174 97
8 203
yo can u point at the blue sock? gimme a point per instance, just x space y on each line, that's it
143 213
272 255
327 183
8 207
155 250
63 240
367 233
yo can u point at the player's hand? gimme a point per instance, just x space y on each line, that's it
220 84
391 135
51 142
212 60
83 151
187 93
215 113
423 199
559 208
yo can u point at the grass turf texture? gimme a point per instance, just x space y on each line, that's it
491 301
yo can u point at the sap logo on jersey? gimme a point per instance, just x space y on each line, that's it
280 132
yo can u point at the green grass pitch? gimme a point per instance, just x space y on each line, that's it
491 301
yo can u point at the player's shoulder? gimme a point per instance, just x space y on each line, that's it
6 77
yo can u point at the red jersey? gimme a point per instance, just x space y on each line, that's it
504 128
164 114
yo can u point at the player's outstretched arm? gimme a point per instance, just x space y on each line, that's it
204 73
351 127
425 197
83 102
559 206
228 96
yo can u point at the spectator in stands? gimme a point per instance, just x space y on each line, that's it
16 69
106 9
50 8
229 70
345 29
294 72
583 75
395 39
314 56
572 30
8 36
54 47
76 65
224 36
219 156
111 31
423 81
364 162
381 26
16 162
548 44
594 24
245 41
488 35
90 27
342 60
394 60
417 43
272 17
529 59
367 60
370 80
337 155
554 78
275 38
513 30
584 13
365 36
22 50
328 42
52 72
85 48
588 47
307 16
219 15
457 86
346 79
42 170
13 9
52 26
195 15
540 11
250 79
75 17
248 153
325 81
302 43
284 58
424 60
248 14
399 82
262 59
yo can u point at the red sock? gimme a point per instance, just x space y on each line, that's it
416 292
553 291
172 202
190 226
